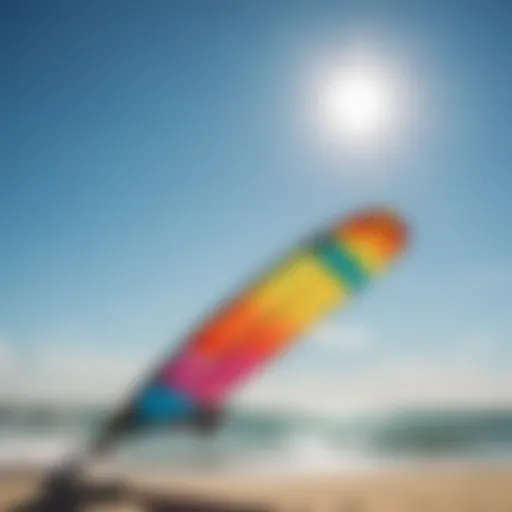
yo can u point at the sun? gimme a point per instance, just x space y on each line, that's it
357 104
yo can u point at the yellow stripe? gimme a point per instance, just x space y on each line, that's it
286 280
319 292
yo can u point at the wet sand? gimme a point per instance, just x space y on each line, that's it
423 489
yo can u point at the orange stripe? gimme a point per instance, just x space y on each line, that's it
217 334
269 335
229 327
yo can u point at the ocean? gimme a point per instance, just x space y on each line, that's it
268 441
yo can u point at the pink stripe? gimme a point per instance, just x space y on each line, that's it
224 376
186 372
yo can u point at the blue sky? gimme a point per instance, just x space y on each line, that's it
152 157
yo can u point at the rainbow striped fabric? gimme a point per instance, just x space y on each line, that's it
269 316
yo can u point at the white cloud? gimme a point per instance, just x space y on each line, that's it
65 372
341 338
466 376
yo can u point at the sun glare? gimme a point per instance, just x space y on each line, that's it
358 104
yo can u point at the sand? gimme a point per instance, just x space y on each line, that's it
422 489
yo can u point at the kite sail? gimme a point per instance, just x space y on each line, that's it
193 385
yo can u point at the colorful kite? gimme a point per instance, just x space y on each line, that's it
192 386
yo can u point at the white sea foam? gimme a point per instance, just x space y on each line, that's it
269 443
24 451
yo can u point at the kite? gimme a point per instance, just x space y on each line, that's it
192 386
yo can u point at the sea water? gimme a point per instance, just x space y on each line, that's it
265 441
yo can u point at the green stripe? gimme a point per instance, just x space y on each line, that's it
341 264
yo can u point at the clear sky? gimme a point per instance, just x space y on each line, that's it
154 154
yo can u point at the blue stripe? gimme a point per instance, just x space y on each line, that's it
341 264
158 403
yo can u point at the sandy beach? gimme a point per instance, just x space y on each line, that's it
450 489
